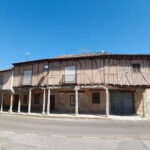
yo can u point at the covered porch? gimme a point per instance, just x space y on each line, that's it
59 100
76 100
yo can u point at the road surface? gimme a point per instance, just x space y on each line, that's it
22 133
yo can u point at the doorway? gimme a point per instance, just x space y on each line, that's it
122 103
16 99
52 103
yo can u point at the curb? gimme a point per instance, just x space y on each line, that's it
60 117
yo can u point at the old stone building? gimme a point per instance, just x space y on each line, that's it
86 83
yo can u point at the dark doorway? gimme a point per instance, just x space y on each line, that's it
16 99
122 103
52 103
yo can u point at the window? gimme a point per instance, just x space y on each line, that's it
27 77
95 98
72 100
46 66
136 67
25 98
37 99
70 74
1 79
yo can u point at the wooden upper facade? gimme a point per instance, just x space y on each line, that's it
84 69
6 77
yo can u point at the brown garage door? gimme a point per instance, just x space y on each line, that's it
122 103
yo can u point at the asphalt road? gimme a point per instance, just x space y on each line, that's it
20 132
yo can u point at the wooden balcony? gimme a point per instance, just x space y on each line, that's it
21 81
69 79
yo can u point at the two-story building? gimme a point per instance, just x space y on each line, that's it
95 83
6 88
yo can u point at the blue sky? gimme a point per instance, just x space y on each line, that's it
48 28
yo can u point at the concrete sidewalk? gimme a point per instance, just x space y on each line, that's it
81 116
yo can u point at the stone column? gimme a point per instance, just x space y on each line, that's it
76 100
11 102
143 99
29 103
107 102
43 112
2 101
48 101
19 102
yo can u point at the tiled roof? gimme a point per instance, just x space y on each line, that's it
7 69
80 55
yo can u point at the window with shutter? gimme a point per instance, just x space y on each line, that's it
70 76
27 77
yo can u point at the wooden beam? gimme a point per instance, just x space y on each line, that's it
48 101
107 102
43 112
76 101
29 103
2 101
19 102
11 102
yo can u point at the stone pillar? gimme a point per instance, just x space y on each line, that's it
11 102
143 99
107 102
48 101
2 101
43 112
76 100
19 102
29 103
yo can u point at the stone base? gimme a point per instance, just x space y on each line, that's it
43 113
10 111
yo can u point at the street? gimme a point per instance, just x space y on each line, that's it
21 132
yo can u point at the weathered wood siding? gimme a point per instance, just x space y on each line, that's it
7 80
88 71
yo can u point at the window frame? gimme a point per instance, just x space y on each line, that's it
72 103
97 101
136 67
24 76
46 63
66 74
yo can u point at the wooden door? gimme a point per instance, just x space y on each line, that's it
122 103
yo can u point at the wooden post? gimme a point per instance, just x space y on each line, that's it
2 101
48 101
43 112
107 102
76 101
29 103
19 102
11 102
143 99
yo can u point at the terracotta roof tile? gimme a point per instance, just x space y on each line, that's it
7 69
80 55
